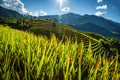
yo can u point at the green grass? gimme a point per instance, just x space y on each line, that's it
40 26
44 27
24 56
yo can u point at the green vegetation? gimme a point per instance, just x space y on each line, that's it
25 56
22 22
98 42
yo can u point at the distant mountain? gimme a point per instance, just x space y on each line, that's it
50 17
90 23
4 12
70 18
90 27
100 21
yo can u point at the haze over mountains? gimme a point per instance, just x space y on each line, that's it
88 23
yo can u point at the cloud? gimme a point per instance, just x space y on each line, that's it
16 5
38 13
99 13
99 1
101 7
65 9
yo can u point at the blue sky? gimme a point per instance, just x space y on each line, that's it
105 8
53 7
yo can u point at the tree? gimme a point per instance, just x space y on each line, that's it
23 22
55 23
20 21
16 16
7 18
13 20
1 19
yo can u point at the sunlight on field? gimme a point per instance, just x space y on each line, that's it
26 56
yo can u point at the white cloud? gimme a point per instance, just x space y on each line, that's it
18 6
43 13
65 9
101 7
99 1
38 13
99 13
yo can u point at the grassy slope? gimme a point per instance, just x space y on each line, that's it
45 27
26 56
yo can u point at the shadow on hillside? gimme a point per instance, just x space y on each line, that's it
15 26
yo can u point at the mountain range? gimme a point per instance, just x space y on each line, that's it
88 23
4 12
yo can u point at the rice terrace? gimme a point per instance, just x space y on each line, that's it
61 41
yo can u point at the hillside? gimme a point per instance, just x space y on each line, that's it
37 26
5 12
26 56
90 27
44 27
